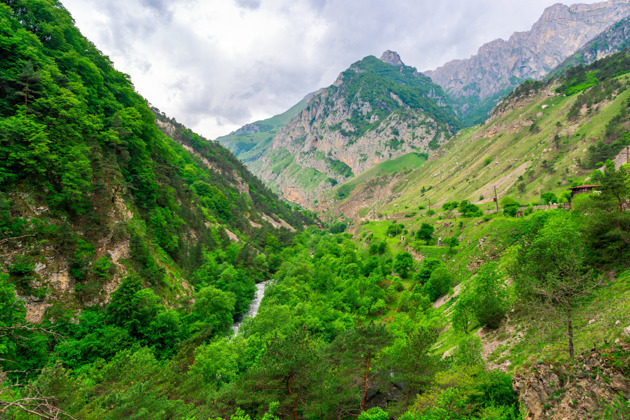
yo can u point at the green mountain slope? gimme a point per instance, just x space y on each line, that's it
377 110
538 140
248 143
93 192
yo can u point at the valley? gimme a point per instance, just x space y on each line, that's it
397 245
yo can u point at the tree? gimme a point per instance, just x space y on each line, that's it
403 264
426 269
615 186
452 242
489 296
285 371
412 361
550 274
606 224
510 206
549 198
212 309
29 79
463 313
439 283
356 350
425 233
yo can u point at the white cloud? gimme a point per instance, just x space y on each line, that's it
218 64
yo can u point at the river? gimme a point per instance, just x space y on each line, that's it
253 306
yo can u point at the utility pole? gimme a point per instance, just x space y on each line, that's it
628 154
496 200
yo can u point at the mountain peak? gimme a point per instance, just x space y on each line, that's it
391 57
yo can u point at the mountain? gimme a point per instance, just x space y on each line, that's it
543 137
249 142
476 84
377 110
93 193
612 40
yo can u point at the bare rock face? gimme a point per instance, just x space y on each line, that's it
579 390
391 57
501 65
377 110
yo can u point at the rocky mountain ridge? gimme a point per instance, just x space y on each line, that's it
476 84
377 110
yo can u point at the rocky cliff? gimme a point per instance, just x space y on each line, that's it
612 40
476 84
595 384
375 111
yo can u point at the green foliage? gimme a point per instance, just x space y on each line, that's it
403 264
425 233
469 210
606 223
550 271
439 283
489 296
510 206
395 229
451 205
22 265
467 393
375 413
549 198
426 269
338 227
579 78
341 168
452 242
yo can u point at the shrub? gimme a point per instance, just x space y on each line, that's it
439 283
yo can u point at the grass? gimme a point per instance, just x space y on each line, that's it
524 338
462 169
249 147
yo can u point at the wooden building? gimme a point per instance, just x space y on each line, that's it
582 189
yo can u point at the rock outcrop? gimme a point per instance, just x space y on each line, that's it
476 84
377 110
580 390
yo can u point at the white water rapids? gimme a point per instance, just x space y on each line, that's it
253 306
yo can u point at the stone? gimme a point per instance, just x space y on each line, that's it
391 57
591 322
559 32
626 331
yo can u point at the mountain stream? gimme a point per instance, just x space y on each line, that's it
253 306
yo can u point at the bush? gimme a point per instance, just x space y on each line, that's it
549 198
451 205
439 283
338 227
21 265
425 233
489 296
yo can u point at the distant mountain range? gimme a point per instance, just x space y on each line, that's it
381 109
377 110
476 84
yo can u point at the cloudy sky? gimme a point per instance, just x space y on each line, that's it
216 65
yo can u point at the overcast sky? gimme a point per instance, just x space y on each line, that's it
216 65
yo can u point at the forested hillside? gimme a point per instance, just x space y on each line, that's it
377 110
101 212
129 245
